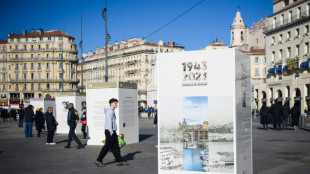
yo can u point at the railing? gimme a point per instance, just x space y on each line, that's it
58 89
287 21
3 69
131 71
25 68
45 80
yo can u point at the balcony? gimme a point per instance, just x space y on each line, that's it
286 22
59 90
3 68
131 71
44 80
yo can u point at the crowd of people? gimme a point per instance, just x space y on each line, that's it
46 121
278 115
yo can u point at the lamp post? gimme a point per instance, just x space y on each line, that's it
107 38
82 59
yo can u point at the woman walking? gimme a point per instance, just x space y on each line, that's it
51 126
38 117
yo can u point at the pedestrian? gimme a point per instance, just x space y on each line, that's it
306 112
111 136
276 111
29 117
12 114
51 126
285 115
72 120
21 114
149 111
264 113
155 125
295 114
38 118
84 123
3 114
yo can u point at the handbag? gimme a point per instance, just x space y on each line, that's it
56 123
121 141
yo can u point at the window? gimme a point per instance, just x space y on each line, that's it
39 56
290 16
60 56
288 52
32 66
47 75
47 86
41 38
256 59
241 35
47 66
39 86
32 87
32 57
297 32
16 66
286 2
264 71
60 85
256 40
32 48
25 47
60 38
280 54
25 86
308 9
264 60
39 76
256 71
232 36
60 75
16 87
47 56
297 50
26 39
307 47
307 29
25 76
273 39
60 65
49 38
298 12
39 47
47 47
273 55
60 46
280 37
288 35
274 22
282 19
16 76
32 76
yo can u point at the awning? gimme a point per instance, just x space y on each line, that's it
279 68
304 64
285 68
272 70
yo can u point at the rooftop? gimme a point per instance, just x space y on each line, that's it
39 33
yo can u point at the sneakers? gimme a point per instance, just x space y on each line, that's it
67 146
123 163
99 164
47 143
53 143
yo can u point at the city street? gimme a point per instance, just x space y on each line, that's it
284 151
274 152
31 155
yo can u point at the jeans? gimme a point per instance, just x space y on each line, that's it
84 130
50 136
28 128
73 135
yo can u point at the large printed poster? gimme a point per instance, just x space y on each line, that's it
197 106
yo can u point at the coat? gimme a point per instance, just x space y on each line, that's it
29 114
286 112
38 118
21 113
264 113
73 117
50 121
295 114
276 111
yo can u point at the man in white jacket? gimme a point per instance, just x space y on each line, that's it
111 136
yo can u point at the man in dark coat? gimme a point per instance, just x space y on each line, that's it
295 114
264 113
286 112
38 118
276 111
21 114
13 115
29 117
72 120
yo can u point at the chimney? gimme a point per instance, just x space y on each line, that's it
25 32
32 30
171 44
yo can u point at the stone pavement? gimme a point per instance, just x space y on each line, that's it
280 152
31 155
274 152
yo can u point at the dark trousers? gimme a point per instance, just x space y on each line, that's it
21 121
111 143
83 129
50 136
39 132
73 135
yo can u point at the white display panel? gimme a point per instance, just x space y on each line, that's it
43 103
98 96
62 100
199 95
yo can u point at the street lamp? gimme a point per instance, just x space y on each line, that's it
107 38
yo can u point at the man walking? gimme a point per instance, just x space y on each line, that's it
21 114
73 119
111 136
276 110
29 117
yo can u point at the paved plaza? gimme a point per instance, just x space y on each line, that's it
274 152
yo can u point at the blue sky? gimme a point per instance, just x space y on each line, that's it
195 109
132 18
